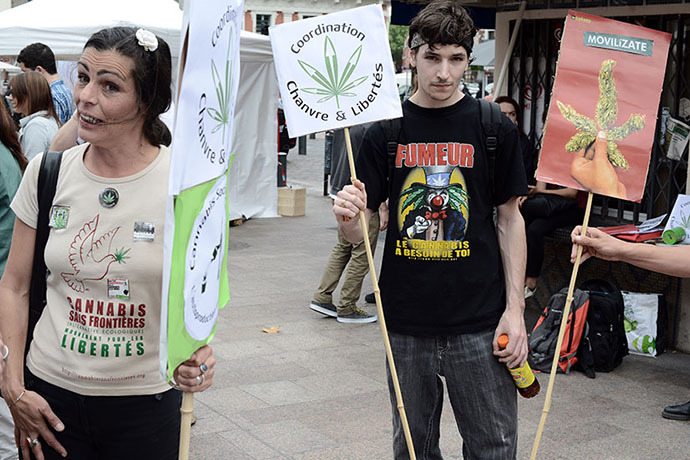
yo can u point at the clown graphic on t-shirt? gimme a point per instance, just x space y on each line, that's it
434 204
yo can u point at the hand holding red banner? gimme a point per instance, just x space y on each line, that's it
593 170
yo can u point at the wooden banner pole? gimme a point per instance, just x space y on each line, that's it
186 426
561 333
379 308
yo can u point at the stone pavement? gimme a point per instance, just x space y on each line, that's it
317 390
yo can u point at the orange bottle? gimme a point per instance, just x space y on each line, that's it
525 381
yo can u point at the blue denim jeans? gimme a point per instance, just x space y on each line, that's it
481 390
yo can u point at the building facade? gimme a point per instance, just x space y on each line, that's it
259 15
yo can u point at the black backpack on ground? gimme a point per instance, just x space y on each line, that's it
604 343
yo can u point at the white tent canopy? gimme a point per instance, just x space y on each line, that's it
66 25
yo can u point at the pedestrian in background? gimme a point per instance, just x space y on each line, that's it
347 254
30 96
12 165
40 58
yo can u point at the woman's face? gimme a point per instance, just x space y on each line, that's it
509 111
16 106
106 97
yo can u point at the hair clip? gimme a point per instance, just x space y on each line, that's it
147 40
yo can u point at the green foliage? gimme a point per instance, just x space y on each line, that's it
396 37
606 116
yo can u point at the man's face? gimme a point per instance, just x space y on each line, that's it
439 71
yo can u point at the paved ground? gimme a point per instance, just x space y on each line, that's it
316 390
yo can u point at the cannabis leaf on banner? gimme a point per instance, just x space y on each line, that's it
223 91
606 116
336 85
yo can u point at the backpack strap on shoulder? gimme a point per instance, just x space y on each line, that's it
47 182
490 119
392 130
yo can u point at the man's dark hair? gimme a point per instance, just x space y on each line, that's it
443 22
38 54
152 75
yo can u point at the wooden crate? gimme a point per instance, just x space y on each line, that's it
291 201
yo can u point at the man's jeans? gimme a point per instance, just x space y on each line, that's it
481 390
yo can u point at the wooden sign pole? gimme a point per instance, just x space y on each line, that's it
561 333
379 308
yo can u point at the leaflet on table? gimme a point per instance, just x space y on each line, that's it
648 226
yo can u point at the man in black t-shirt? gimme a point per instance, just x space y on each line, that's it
451 281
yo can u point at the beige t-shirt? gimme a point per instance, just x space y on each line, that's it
99 332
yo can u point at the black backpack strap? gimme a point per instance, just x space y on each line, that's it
392 130
47 181
490 119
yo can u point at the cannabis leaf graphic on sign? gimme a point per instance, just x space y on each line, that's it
336 85
223 92
606 115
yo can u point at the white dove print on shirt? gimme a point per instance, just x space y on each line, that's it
90 257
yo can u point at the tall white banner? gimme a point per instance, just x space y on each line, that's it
335 70
203 125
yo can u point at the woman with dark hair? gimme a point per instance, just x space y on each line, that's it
93 388
30 96
511 109
12 165
546 208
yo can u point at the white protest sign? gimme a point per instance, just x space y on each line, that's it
335 70
203 124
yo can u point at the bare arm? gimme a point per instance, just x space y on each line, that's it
564 192
31 413
14 305
66 137
511 242
670 260
384 215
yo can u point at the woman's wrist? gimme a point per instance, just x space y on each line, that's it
11 388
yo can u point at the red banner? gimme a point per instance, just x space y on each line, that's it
603 109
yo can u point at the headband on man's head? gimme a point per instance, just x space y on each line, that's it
416 41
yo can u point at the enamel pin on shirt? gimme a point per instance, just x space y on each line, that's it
144 231
108 197
59 216
118 288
